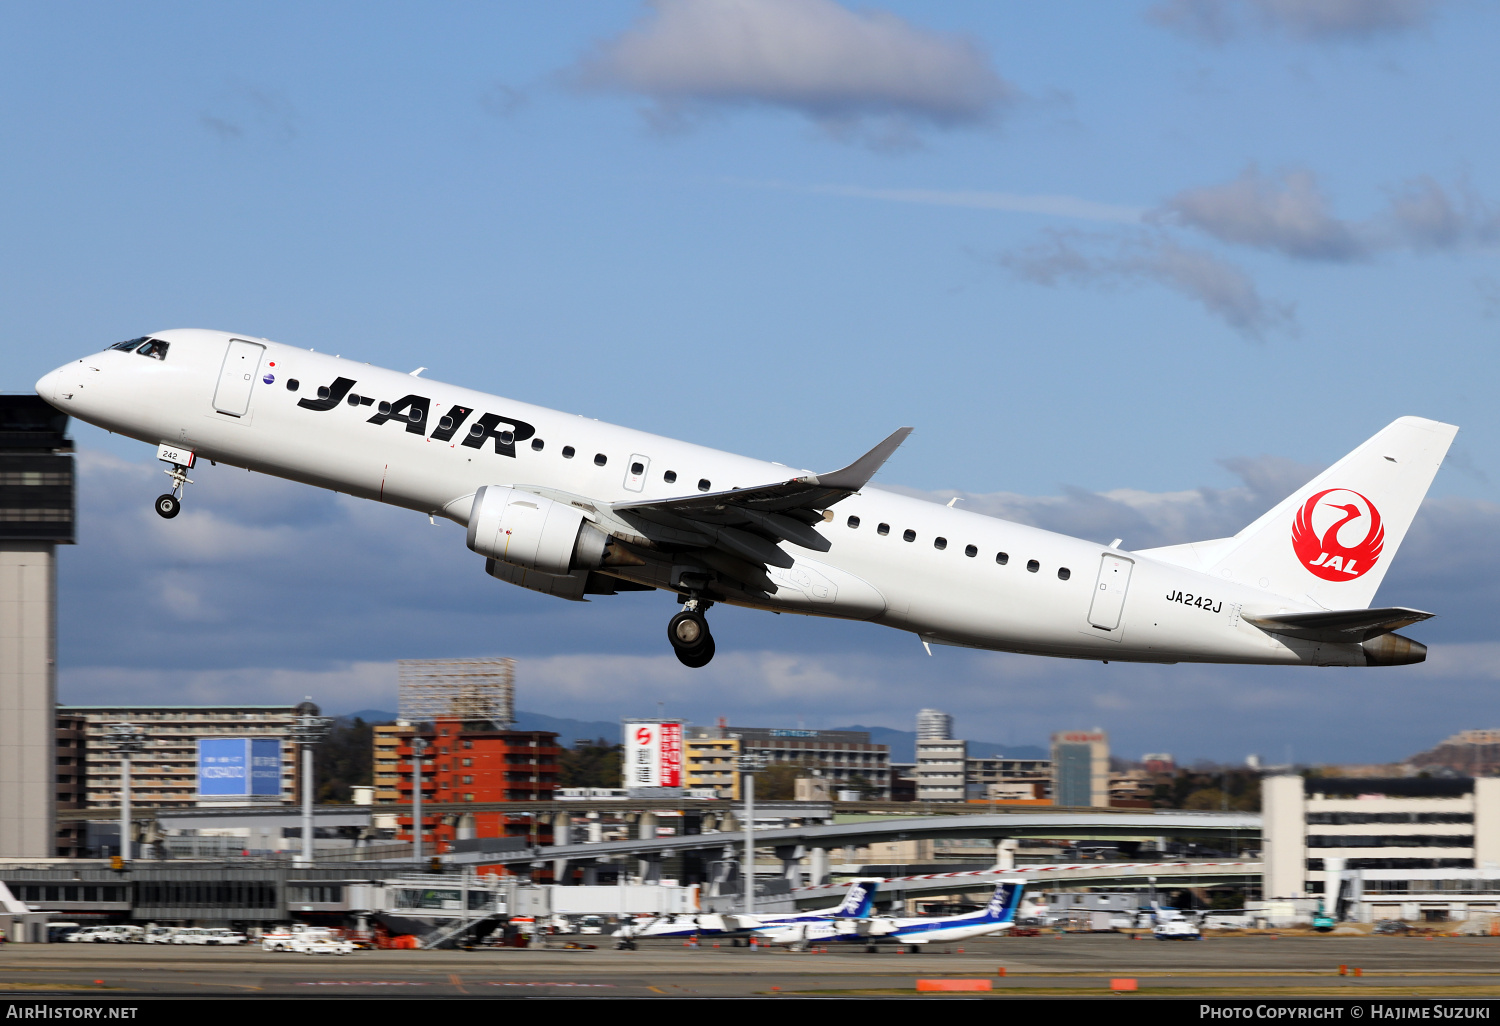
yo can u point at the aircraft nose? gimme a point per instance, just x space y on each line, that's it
46 387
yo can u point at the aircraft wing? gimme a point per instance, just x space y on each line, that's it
1346 626
749 524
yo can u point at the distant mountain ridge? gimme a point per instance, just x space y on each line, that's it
903 743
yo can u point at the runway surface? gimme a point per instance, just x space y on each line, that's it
1069 966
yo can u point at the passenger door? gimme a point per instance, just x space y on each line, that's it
237 377
1109 591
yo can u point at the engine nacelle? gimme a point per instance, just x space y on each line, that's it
527 530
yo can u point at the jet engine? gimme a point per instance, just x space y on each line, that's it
529 531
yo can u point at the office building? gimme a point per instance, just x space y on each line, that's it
1408 848
1080 768
996 778
845 757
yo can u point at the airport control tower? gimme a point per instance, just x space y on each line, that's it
36 516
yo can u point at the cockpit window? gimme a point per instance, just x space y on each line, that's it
131 344
155 348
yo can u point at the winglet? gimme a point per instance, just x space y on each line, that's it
857 474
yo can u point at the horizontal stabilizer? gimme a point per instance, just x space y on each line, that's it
1346 626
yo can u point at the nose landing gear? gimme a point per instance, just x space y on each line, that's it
689 635
170 504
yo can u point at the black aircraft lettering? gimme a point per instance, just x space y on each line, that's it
454 418
328 397
505 440
415 417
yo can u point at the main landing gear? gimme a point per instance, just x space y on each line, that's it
170 504
688 633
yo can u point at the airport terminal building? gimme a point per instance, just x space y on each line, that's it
1408 848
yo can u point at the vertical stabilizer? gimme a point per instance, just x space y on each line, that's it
1333 540
1004 901
860 900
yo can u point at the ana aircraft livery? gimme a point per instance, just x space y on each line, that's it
571 507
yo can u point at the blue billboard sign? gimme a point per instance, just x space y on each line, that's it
239 767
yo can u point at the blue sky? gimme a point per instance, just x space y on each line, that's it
1101 256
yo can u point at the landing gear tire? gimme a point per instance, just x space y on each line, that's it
687 631
699 657
168 506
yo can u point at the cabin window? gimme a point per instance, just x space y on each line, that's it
909 535
445 424
292 384
637 469
883 529
1032 566
703 484
1063 573
385 408
1002 558
853 521
940 543
537 444
670 477
322 391
971 550
353 399
567 452
505 437
600 459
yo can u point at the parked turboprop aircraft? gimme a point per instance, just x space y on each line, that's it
571 507
858 904
999 914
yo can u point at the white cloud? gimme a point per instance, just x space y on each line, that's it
1289 215
1109 261
866 74
1217 21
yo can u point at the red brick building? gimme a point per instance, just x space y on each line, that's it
467 762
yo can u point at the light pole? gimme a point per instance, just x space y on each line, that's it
125 738
748 765
308 730
418 746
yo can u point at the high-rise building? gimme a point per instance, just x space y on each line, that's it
36 516
934 725
1080 768
471 761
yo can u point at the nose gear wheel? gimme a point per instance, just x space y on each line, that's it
691 641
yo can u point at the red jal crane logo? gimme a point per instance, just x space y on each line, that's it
1324 553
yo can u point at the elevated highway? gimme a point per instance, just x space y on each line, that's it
1095 825
1045 877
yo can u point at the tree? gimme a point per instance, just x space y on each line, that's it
346 758
778 782
592 764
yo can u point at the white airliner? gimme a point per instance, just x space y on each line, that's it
568 506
